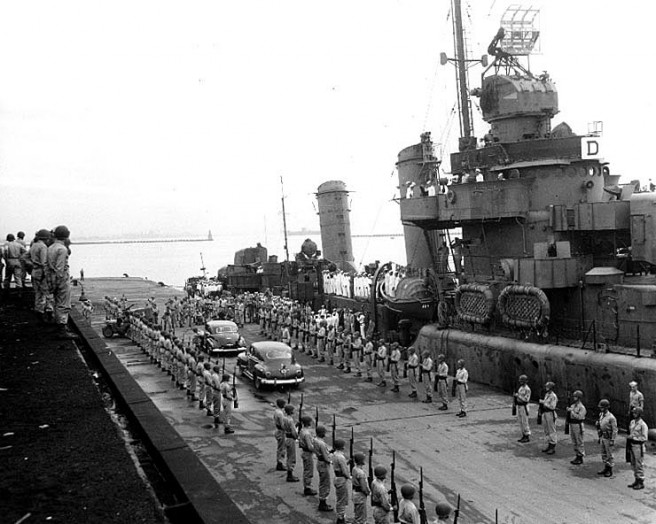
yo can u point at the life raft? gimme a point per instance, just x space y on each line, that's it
474 303
524 307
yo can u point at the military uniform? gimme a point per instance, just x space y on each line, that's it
305 442
413 363
549 417
577 413
408 513
380 502
461 378
227 396
291 434
39 258
442 378
342 477
636 441
381 357
323 469
59 280
361 492
356 354
426 375
607 431
369 359
279 435
395 358
522 399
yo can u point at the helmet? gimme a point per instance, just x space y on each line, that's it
339 444
380 472
10 237
407 491
638 411
289 409
281 402
226 377
523 378
306 420
43 234
440 357
603 403
62 232
216 369
443 509
321 431
359 458
633 383
550 385
578 393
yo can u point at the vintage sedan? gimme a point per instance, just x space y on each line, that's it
223 337
270 364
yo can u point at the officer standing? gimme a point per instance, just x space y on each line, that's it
441 377
228 398
323 467
395 358
342 477
408 513
59 280
426 374
636 441
548 405
461 378
305 442
379 496
381 357
577 413
607 431
279 434
291 435
522 398
361 489
413 363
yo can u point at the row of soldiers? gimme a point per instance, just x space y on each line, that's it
311 438
606 425
189 368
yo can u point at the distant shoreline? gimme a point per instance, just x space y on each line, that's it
143 241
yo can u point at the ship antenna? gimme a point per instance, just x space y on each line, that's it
284 218
202 263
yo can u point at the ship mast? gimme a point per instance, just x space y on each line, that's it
284 218
464 103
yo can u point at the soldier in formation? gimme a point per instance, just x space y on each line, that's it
548 406
576 414
636 442
607 432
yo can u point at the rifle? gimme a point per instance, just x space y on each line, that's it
394 499
422 508
289 396
316 417
235 402
436 379
453 386
421 373
456 513
568 416
300 413
351 459
627 451
405 369
334 430
514 406
223 371
540 412
370 477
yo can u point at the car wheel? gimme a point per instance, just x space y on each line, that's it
258 383
107 332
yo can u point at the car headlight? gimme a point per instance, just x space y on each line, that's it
268 374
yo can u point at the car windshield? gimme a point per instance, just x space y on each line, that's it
225 329
277 354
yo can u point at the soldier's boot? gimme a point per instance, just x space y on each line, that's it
427 400
609 472
524 439
551 450
341 366
216 422
358 374
340 520
603 471
382 384
347 370
548 449
228 430
443 407
635 482
208 412
395 389
640 484
369 379
322 359
309 492
323 506
461 414
291 477
578 460
280 467
413 394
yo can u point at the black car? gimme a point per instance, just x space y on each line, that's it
270 364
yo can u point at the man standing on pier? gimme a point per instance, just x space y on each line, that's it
607 431
59 280
522 398
548 405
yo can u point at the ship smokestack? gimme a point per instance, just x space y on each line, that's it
335 224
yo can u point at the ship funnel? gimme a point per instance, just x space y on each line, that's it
335 224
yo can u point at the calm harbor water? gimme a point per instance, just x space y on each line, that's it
173 262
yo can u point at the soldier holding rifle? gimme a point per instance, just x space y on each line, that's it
361 490
342 476
548 406
379 496
576 414
229 398
305 442
279 434
408 513
522 398
289 428
607 431
323 467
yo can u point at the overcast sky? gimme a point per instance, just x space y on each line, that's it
178 117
